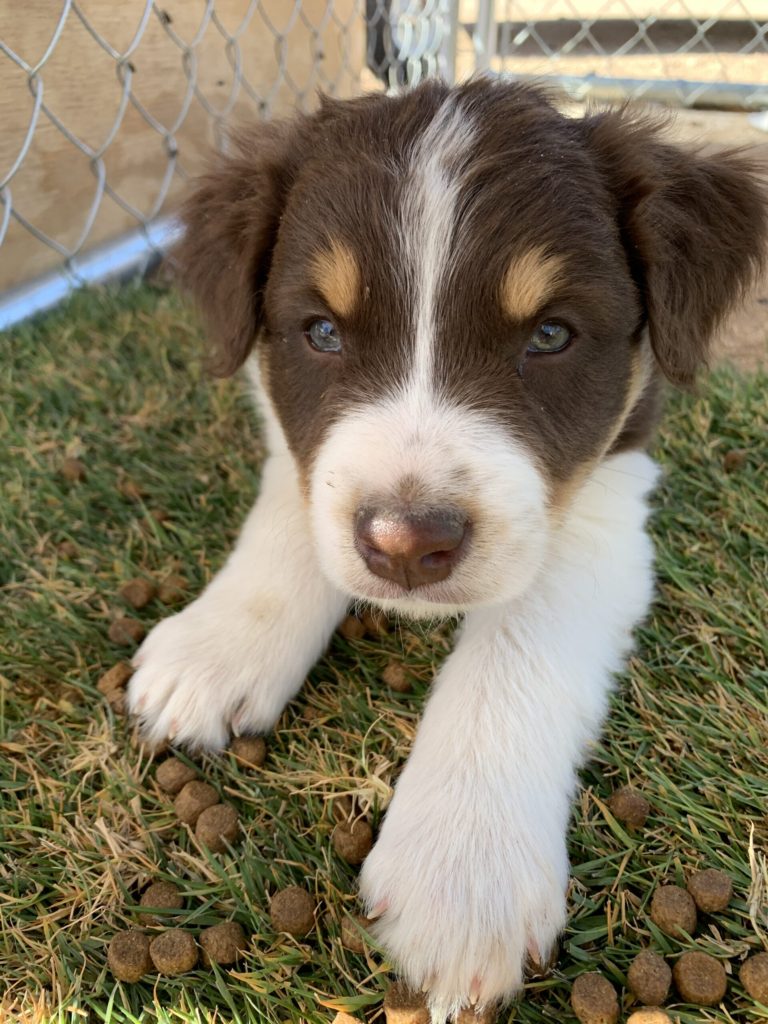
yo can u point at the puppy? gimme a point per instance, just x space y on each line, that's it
456 307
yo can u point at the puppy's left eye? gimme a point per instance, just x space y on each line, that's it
549 337
323 336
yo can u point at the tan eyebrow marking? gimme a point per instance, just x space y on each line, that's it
337 277
530 279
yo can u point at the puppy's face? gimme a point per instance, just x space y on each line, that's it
455 326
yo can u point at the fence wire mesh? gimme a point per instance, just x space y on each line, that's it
107 109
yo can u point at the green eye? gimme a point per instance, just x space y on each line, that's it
323 336
549 337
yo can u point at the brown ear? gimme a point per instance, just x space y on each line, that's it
695 228
230 223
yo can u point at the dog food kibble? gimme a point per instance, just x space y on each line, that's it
352 628
173 952
173 775
115 678
753 975
128 955
73 470
402 1006
222 943
673 910
700 979
594 999
138 593
250 749
711 890
734 459
376 622
353 840
351 935
125 630
172 589
193 799
629 806
649 1015
345 1018
293 911
394 676
218 826
162 896
649 977
472 1016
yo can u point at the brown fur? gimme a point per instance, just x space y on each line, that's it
644 235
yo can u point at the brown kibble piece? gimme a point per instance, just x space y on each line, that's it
345 1018
138 593
193 799
250 749
711 890
700 979
649 1015
73 470
673 910
472 1016
629 806
222 943
67 549
352 628
128 955
353 840
217 827
351 935
126 631
649 977
162 896
394 676
173 589
293 910
130 489
542 967
734 459
402 1006
753 975
173 952
115 678
594 999
173 775
375 621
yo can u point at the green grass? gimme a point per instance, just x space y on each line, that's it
116 381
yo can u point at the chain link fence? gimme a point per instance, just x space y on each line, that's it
107 109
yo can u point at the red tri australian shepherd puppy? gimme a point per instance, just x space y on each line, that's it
456 307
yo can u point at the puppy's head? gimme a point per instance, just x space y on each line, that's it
461 302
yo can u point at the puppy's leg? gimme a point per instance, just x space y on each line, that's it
233 658
470 872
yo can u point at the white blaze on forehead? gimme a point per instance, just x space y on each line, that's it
428 215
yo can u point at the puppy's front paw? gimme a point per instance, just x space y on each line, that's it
218 666
461 902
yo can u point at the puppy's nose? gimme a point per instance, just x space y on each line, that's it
410 548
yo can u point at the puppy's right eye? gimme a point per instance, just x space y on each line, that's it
323 336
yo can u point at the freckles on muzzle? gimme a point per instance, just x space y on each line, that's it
410 546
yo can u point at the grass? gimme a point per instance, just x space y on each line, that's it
115 380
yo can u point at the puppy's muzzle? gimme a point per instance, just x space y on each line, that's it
411 547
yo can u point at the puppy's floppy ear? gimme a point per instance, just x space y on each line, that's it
695 228
230 224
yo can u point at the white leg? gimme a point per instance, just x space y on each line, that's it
236 655
470 870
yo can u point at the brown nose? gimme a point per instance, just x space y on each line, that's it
411 549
